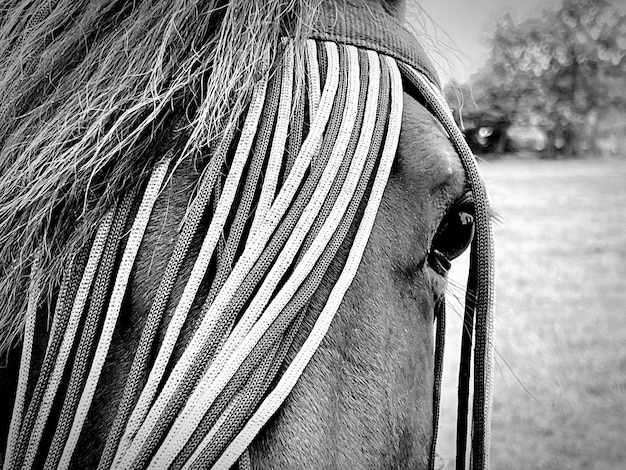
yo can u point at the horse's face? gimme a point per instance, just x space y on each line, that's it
365 400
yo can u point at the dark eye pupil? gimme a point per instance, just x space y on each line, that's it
453 236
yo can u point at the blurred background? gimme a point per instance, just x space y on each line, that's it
539 89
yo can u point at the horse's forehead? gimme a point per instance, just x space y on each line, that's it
425 152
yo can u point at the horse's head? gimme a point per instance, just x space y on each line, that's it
277 292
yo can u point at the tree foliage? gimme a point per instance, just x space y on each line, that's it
561 70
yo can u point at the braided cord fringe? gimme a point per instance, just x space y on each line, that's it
236 405
25 362
295 369
68 341
237 348
115 304
253 323
215 443
246 260
483 253
200 266
92 320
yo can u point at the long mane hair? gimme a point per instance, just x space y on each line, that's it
95 92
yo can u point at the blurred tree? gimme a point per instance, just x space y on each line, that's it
561 71
485 124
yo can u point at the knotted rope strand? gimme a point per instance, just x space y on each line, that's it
236 227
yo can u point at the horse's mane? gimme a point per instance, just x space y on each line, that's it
94 92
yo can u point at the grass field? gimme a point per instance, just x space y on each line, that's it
560 382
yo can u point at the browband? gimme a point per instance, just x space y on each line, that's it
372 27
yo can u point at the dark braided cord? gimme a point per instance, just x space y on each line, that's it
465 365
440 345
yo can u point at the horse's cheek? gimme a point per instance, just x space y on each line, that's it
365 399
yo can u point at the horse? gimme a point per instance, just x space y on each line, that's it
226 228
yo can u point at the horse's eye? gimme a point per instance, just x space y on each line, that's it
454 235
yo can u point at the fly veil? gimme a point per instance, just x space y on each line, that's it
299 179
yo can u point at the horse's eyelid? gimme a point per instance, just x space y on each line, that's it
466 200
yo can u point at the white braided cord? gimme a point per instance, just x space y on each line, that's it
313 73
277 152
